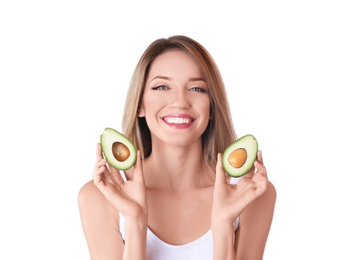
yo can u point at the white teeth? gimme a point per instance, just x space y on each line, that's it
177 120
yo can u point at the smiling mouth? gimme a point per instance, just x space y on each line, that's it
178 120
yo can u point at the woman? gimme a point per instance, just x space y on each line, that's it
176 202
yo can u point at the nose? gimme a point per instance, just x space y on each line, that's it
180 100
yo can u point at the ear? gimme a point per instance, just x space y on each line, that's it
141 112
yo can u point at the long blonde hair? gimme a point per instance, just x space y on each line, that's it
220 131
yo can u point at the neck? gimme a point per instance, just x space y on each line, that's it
177 168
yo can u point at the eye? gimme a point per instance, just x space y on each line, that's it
160 87
198 89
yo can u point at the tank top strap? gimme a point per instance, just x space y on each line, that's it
234 181
123 175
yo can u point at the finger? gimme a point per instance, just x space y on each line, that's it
99 154
100 163
115 175
112 169
259 156
97 176
220 174
260 168
261 184
250 173
138 170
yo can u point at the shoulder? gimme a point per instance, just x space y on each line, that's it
90 199
262 209
255 224
91 202
266 201
271 192
89 192
100 223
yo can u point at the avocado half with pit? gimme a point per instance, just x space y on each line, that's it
239 157
118 150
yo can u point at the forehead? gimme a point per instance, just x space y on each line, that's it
174 62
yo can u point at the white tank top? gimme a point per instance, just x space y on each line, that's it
157 249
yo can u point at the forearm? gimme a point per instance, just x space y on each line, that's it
135 244
223 240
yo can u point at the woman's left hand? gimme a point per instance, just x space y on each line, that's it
229 201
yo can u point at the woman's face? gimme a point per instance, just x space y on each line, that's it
175 102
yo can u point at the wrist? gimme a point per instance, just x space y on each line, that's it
140 222
136 233
222 225
220 218
223 238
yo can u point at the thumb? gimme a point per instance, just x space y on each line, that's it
137 169
220 175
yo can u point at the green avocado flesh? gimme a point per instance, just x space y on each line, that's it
239 157
118 150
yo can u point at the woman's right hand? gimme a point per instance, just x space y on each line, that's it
229 200
129 197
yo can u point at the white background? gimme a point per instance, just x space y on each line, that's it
292 73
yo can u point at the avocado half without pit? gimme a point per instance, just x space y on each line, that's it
118 150
239 157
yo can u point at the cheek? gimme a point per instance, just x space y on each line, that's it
149 104
205 108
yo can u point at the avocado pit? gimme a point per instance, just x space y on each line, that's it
237 158
120 151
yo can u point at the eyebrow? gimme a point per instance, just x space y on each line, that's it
161 77
169 78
